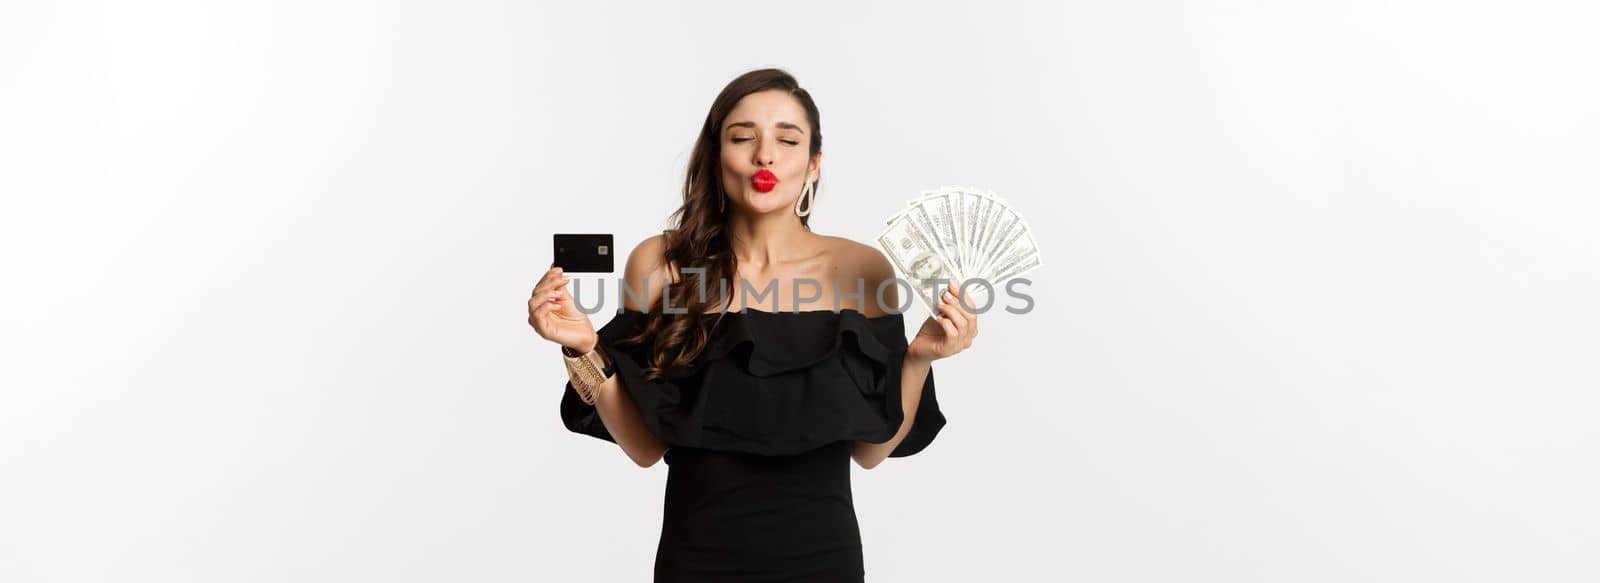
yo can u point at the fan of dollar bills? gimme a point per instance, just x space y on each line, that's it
958 233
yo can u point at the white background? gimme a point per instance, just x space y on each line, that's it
1317 303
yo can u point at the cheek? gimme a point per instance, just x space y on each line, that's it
800 162
730 163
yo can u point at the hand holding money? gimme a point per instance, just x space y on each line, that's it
944 337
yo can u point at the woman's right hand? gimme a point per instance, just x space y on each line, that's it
555 316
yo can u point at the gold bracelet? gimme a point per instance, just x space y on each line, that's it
587 372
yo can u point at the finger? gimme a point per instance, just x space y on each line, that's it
536 319
948 306
560 295
554 295
538 300
542 279
965 301
972 323
556 283
544 308
952 316
967 306
552 273
949 329
964 305
954 302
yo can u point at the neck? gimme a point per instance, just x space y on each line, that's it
763 240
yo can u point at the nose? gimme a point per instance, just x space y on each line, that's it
764 154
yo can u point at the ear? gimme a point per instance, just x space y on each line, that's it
814 169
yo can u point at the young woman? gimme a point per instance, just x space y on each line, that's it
757 412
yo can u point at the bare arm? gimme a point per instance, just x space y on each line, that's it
936 339
913 374
875 270
622 420
618 411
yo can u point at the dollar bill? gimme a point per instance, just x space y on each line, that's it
993 208
930 220
971 211
957 200
1018 270
980 210
916 257
941 209
1007 226
1014 258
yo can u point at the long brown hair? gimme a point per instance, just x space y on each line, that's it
699 237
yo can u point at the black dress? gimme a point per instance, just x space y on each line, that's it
759 430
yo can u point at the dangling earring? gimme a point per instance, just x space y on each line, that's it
807 196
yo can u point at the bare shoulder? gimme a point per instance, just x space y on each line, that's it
647 267
859 261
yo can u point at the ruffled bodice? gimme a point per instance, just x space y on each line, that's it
770 383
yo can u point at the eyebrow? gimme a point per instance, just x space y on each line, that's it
782 125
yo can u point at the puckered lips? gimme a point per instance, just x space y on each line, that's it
764 180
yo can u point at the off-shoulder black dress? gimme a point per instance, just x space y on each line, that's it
759 431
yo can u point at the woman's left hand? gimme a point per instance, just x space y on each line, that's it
940 338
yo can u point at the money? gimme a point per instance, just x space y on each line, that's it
916 257
958 233
933 219
991 209
1007 225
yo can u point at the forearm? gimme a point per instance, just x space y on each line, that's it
622 420
913 375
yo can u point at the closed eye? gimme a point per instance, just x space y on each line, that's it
743 140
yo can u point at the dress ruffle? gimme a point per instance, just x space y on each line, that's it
771 383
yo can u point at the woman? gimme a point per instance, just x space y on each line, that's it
756 412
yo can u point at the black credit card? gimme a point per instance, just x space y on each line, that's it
585 253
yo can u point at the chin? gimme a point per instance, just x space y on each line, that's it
762 204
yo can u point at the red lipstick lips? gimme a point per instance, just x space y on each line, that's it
764 180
